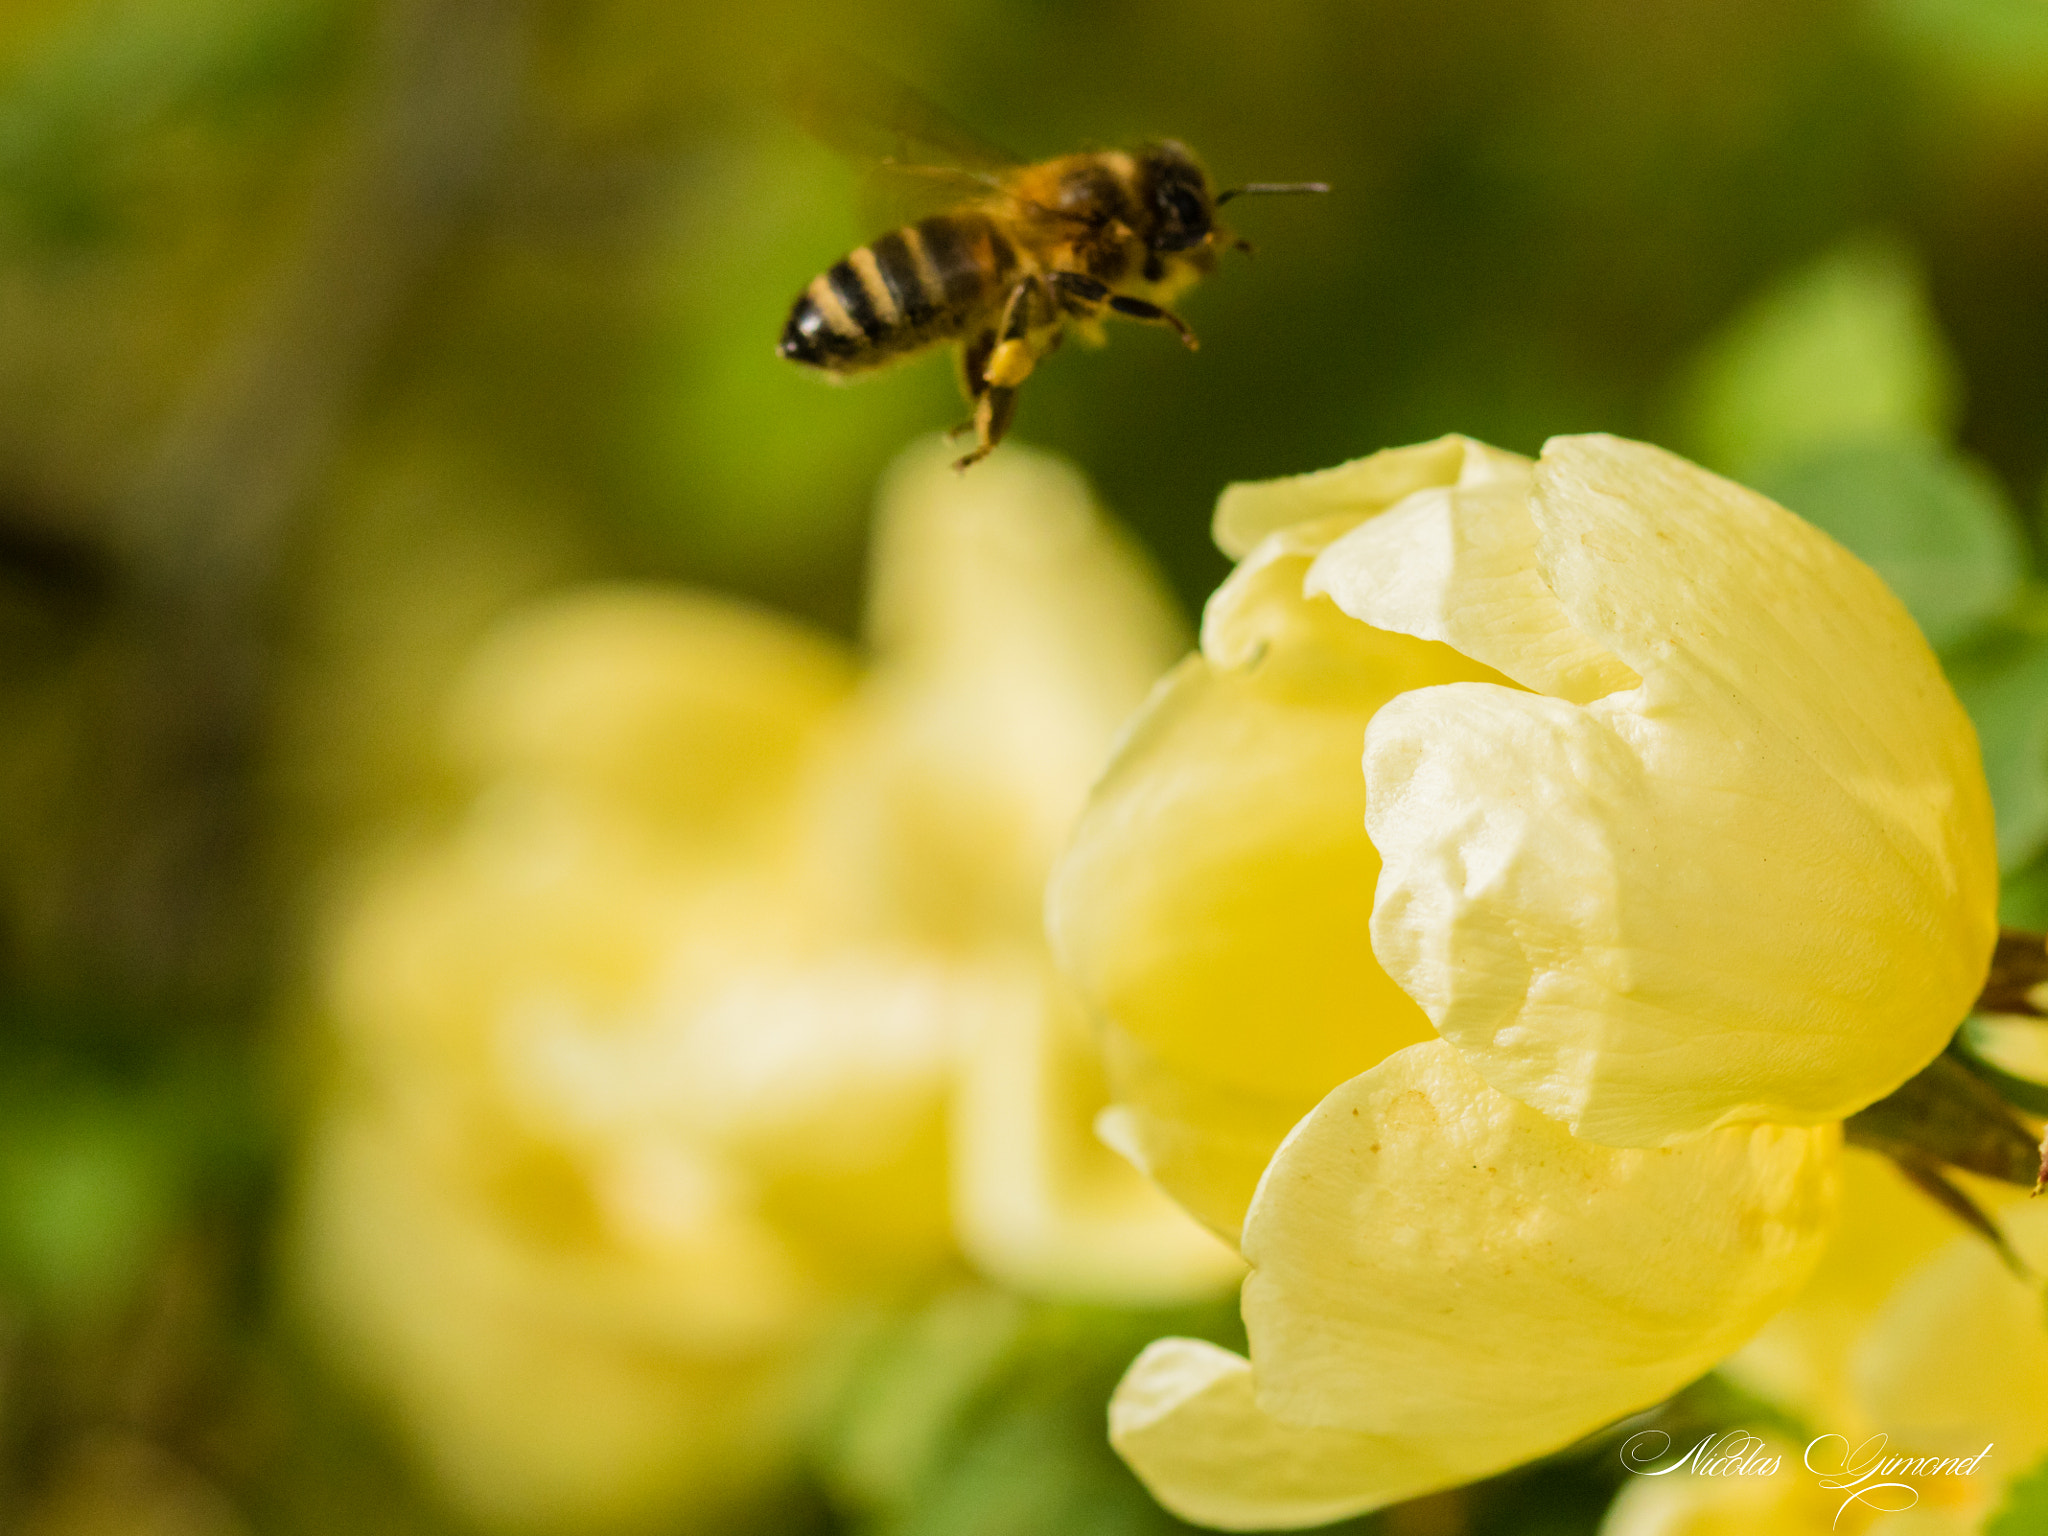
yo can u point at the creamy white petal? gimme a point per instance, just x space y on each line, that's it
1801 1358
1261 605
1204 1142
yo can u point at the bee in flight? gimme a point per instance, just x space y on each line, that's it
1020 254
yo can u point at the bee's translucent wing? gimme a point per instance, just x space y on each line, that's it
862 111
893 194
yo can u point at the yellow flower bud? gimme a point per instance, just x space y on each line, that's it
1758 886
1490 925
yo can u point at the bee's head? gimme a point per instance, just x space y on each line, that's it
1176 195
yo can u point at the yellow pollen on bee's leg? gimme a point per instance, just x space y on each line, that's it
1009 365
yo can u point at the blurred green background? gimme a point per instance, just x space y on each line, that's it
331 329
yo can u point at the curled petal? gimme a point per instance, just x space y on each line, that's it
1248 513
1215 901
1428 1254
1459 565
1219 888
1259 610
1186 1420
1758 886
1205 1143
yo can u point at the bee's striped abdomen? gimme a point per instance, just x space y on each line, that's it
918 285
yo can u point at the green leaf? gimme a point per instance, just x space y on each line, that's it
2023 897
2025 1511
1934 525
2004 686
1846 350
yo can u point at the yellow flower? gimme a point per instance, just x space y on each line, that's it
725 1005
1787 1502
1801 1358
1514 1060
1912 1340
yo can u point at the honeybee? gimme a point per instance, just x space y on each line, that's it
1021 254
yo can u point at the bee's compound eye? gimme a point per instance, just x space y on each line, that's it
1183 216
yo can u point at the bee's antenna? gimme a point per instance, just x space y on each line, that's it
1269 189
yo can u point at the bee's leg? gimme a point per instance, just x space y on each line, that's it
992 415
974 358
1138 309
1080 295
1004 366
1011 362
1016 320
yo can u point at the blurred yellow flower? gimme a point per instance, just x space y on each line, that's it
1801 1358
1912 1340
725 1005
1789 1502
1673 849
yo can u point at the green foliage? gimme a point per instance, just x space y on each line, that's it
1844 351
74 113
2023 897
84 1199
984 1412
101 1162
917 1379
1975 1046
2004 685
1996 47
1834 393
1936 527
765 469
2025 1511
